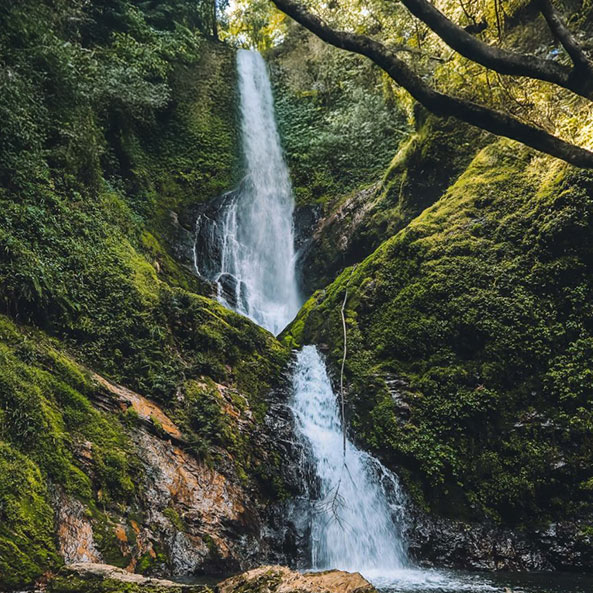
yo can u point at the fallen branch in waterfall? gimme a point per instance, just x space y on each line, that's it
344 352
335 500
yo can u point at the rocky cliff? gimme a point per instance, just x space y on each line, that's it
468 352
134 410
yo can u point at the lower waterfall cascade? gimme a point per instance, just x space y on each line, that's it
357 521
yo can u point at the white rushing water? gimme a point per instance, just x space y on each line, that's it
358 520
256 274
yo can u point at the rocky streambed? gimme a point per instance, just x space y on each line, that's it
103 578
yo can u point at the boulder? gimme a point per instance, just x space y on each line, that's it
103 578
279 579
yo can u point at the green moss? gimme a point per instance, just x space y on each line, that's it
27 546
175 518
108 543
77 584
44 396
481 304
150 562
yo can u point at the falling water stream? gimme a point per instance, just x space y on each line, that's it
245 245
255 267
358 517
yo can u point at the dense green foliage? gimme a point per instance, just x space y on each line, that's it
86 207
482 305
117 118
339 123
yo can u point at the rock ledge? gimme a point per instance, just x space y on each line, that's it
103 578
89 577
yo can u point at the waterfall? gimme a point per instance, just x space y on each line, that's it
358 519
253 259
244 244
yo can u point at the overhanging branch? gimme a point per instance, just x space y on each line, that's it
500 60
583 65
439 103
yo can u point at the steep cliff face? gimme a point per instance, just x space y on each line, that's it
469 347
94 472
133 410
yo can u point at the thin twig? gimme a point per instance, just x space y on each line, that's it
345 350
344 354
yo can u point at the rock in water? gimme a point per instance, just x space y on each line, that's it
103 578
279 579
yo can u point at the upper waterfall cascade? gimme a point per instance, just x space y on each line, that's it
251 238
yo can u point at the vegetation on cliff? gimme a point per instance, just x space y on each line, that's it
469 339
340 123
116 119
470 327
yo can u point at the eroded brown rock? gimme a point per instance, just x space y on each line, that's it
279 579
146 409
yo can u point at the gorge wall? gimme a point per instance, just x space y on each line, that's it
467 340
144 425
134 409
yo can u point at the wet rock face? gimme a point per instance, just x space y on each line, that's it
279 579
287 524
208 239
327 244
75 531
454 544
305 221
189 517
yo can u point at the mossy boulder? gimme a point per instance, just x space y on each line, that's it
103 578
279 579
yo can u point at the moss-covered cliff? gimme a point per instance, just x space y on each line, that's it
115 123
353 226
469 344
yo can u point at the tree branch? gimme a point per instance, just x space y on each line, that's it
439 103
344 353
418 52
566 38
501 60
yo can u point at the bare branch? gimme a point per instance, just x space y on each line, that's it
344 352
439 103
418 52
566 38
501 60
